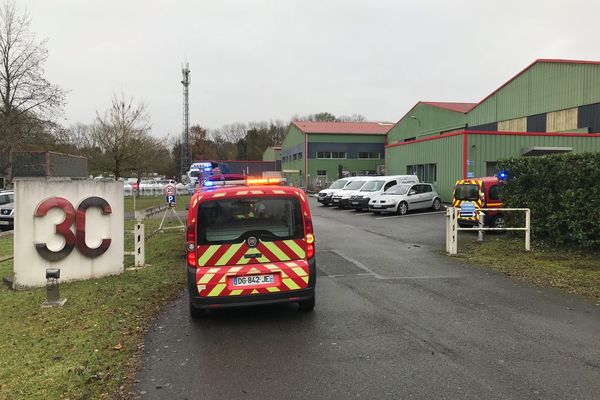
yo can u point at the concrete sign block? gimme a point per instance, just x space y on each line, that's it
76 226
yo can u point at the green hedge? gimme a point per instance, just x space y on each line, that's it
563 193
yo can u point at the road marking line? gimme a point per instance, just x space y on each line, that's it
427 277
411 215
358 264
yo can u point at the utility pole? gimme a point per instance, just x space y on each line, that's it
186 160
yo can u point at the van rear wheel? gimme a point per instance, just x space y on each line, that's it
307 305
498 221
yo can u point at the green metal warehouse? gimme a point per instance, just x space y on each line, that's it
551 106
334 149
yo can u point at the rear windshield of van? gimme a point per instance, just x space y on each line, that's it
467 191
372 186
234 220
340 183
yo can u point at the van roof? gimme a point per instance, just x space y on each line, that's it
246 191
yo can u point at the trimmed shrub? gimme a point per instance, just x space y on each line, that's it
563 193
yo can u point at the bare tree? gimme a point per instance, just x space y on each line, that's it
28 101
123 136
352 118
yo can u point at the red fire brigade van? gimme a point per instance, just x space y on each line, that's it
250 244
482 193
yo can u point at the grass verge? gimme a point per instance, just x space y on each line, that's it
90 348
149 201
571 271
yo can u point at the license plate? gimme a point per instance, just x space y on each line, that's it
336 200
375 206
355 203
4 222
251 280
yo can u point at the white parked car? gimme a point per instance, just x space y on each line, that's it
402 198
324 196
360 200
341 198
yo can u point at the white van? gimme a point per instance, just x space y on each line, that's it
324 196
341 198
376 187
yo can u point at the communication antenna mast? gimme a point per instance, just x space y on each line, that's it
185 137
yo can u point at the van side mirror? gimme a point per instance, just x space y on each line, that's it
412 192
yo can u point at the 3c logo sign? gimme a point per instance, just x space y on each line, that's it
76 239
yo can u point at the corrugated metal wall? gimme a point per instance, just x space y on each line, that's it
513 125
428 120
486 148
545 87
446 153
589 117
536 123
563 120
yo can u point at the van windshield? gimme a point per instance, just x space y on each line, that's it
355 185
398 189
340 183
234 220
372 186
466 191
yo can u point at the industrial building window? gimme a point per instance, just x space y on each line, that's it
331 154
425 172
371 155
491 168
322 172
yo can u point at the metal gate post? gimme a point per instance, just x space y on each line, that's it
527 229
449 212
140 251
454 232
480 232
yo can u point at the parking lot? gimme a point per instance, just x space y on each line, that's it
429 231
394 319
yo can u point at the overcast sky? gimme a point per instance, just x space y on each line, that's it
258 60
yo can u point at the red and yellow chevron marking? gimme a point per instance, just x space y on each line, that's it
478 203
235 254
218 281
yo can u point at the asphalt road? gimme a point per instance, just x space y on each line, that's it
394 319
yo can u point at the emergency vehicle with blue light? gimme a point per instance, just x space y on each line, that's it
472 194
249 242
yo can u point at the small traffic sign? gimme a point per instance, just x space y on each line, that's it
169 189
469 162
170 199
135 186
467 209
470 175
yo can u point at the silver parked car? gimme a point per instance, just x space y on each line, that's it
402 198
7 211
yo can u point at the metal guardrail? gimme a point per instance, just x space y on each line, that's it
452 227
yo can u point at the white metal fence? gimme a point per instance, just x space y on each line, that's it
452 227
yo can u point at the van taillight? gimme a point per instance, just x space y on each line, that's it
310 237
310 246
190 249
